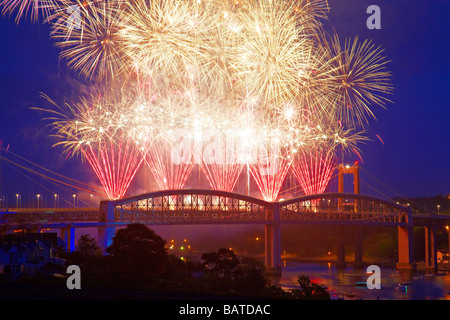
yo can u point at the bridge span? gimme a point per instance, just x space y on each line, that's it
202 206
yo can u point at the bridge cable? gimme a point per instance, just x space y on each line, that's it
48 170
44 187
47 177
420 206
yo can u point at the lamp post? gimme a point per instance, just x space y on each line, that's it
56 196
74 196
438 207
91 199
38 196
17 200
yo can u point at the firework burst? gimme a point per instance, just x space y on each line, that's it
87 33
24 7
223 85
98 129
359 79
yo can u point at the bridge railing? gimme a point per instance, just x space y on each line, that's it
342 207
50 215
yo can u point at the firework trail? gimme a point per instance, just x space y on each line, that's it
24 7
263 72
97 130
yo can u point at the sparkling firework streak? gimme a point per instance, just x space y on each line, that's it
313 169
87 33
98 129
169 174
359 79
264 71
222 158
23 7
270 53
166 38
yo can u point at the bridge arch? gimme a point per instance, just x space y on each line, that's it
190 206
342 208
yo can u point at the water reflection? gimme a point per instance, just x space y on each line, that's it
351 283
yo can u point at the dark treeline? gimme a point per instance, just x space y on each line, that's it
137 264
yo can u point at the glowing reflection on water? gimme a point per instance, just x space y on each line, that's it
350 283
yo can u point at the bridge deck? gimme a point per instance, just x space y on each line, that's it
216 207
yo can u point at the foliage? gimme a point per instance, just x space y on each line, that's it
223 262
87 246
309 290
137 249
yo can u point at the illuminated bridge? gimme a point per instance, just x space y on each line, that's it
196 207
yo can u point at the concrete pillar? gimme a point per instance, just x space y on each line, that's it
406 245
427 248
433 243
356 184
272 237
340 263
358 249
68 235
107 208
430 249
106 233
105 237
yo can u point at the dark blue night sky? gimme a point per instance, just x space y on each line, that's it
415 157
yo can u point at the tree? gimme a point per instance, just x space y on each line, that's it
87 246
137 250
309 290
223 263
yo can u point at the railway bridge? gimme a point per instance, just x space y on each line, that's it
203 206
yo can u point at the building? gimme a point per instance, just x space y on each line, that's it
28 254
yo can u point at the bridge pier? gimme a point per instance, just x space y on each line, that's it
340 263
430 249
273 242
104 236
358 249
406 245
106 233
68 235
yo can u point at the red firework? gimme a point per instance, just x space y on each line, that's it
169 171
313 169
115 164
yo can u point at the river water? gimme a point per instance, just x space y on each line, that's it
350 284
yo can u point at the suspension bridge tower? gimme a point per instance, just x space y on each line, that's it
354 171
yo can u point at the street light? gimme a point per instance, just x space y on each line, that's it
74 196
17 200
438 206
91 199
56 196
38 196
